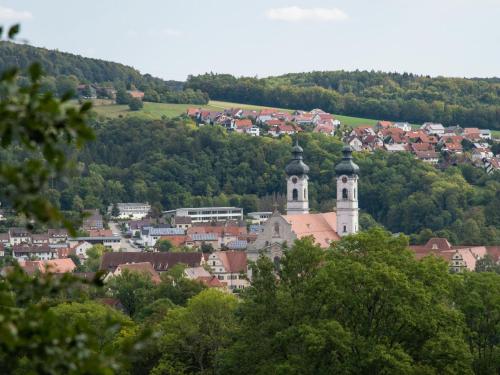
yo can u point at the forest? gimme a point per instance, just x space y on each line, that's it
63 72
389 96
364 306
174 164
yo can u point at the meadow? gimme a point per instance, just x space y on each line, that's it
158 110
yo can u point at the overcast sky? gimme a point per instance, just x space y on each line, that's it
172 39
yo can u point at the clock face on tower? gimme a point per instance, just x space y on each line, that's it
294 180
344 179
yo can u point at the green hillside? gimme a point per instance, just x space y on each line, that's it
154 111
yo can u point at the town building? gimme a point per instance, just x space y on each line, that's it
161 261
230 267
207 214
132 211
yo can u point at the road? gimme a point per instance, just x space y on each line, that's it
125 244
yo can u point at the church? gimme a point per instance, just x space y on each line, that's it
280 231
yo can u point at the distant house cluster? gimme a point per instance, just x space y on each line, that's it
266 121
431 143
460 257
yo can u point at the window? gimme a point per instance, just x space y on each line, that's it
345 228
295 194
344 193
305 194
354 193
213 263
220 277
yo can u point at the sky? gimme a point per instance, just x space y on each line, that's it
172 39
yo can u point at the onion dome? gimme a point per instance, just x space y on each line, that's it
297 167
346 165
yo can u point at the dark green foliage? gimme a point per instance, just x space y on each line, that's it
65 71
123 97
135 104
366 307
36 339
392 96
164 245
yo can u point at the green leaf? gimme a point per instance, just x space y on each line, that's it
14 30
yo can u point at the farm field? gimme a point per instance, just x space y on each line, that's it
157 110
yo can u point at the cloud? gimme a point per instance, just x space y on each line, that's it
9 14
295 14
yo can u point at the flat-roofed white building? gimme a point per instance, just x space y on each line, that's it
131 210
208 214
259 217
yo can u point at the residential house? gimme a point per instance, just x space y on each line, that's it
383 125
19 236
149 235
28 251
230 267
80 250
328 129
93 220
161 261
472 134
395 148
431 157
57 266
182 222
134 211
144 268
40 239
199 239
432 128
485 134
355 143
57 235
403 126
460 257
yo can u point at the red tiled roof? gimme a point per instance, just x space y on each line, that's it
142 267
234 261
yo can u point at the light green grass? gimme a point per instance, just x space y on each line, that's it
157 110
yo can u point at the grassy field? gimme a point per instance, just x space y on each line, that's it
157 110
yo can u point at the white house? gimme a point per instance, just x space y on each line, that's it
80 249
27 252
18 236
403 126
433 129
131 210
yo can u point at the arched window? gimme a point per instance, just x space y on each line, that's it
277 263
355 194
305 194
345 228
295 194
344 193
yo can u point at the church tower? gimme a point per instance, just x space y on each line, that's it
347 194
297 189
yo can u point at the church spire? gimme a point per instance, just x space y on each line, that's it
297 182
347 194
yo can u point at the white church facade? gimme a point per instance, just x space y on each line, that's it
280 231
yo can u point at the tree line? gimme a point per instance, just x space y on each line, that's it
389 96
65 71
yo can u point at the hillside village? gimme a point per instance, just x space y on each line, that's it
432 143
